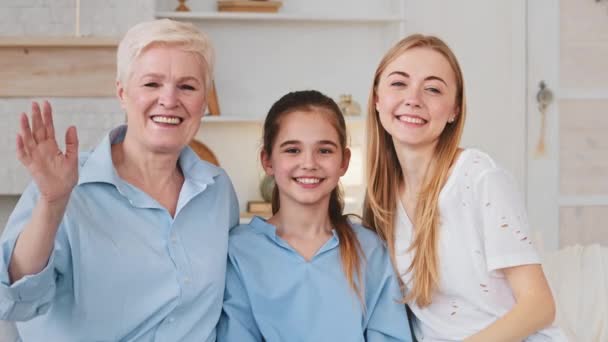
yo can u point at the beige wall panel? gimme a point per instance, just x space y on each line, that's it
583 225
57 71
583 147
584 64
583 21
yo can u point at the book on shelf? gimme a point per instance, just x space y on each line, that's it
259 207
255 6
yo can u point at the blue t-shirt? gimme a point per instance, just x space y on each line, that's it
273 294
122 268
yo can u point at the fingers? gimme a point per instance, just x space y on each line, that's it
47 118
22 154
26 133
38 129
71 143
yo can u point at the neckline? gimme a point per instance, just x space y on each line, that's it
447 186
263 226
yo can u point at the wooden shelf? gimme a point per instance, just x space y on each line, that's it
50 41
279 17
58 66
232 119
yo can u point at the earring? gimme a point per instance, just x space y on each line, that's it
450 120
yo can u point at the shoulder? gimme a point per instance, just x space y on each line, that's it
221 177
243 237
478 165
370 242
248 246
242 231
83 157
476 162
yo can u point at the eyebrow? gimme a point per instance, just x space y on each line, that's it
295 142
406 75
186 78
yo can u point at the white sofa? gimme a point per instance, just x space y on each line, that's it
578 276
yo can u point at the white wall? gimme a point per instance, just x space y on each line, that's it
488 39
482 33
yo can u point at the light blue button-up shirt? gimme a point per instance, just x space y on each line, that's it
123 269
273 294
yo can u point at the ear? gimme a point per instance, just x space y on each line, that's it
376 102
266 163
456 112
120 93
345 161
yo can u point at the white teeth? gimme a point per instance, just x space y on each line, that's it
308 180
410 119
171 120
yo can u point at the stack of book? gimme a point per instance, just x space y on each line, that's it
256 6
260 208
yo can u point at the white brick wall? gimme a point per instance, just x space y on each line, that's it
92 116
58 17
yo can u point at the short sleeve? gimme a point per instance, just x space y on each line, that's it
504 225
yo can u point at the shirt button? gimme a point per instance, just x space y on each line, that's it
187 280
173 238
170 320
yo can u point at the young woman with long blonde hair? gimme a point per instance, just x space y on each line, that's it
453 222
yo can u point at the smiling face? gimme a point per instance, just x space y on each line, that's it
307 159
164 99
416 97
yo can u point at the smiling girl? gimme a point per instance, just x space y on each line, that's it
453 222
307 273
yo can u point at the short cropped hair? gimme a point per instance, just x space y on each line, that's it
186 36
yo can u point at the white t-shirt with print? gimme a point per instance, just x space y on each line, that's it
483 229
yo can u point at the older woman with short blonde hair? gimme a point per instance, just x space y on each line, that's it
127 241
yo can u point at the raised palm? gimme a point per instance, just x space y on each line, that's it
54 172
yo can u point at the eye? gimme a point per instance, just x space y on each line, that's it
326 151
434 90
292 150
151 85
186 87
398 84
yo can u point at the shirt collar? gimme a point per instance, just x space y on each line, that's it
262 226
98 167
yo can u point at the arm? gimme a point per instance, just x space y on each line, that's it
237 322
510 252
386 315
55 173
234 206
29 296
27 259
534 308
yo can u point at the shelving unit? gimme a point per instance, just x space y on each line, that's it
219 119
329 46
67 41
279 17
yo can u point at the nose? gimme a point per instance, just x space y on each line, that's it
168 97
309 161
412 97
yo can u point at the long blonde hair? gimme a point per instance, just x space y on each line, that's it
384 176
